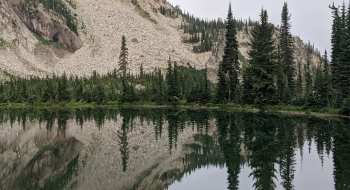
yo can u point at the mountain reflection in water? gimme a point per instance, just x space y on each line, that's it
151 148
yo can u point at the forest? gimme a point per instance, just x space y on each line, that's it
270 78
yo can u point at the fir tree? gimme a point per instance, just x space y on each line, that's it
229 67
281 79
287 51
299 85
247 91
309 97
62 88
123 58
318 88
222 90
206 87
123 66
262 62
327 86
337 58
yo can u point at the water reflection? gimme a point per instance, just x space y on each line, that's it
51 168
269 145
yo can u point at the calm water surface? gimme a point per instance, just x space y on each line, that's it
171 149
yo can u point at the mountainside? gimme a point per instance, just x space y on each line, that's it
79 36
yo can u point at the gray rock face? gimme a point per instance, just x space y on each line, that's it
48 27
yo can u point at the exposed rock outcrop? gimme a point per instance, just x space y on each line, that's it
45 24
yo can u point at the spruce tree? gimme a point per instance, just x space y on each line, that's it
206 87
123 66
319 94
281 78
327 86
229 67
63 94
159 87
247 87
287 52
263 62
338 43
222 90
123 58
299 85
308 96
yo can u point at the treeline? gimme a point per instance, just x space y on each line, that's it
272 77
180 83
206 34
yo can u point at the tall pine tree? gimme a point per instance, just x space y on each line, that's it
287 53
229 67
263 62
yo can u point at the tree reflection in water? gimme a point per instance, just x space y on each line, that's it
266 143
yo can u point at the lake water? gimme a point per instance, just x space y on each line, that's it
171 149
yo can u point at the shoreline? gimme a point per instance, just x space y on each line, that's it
291 110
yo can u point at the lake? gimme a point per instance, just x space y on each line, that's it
159 148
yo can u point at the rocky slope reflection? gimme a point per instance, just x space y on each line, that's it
151 148
52 167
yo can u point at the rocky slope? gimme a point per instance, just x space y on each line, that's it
151 38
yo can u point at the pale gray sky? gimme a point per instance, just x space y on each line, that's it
311 19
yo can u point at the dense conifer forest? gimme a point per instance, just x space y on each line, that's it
271 77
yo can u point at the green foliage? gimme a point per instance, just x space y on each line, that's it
123 58
207 32
3 44
262 63
188 84
340 51
47 42
49 148
345 109
229 67
287 51
142 12
170 12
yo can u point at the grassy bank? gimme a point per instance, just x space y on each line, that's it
277 108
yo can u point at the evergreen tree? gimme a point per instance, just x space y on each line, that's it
229 67
159 88
222 90
327 86
319 95
247 91
281 79
262 62
309 97
123 66
338 42
63 94
123 58
287 52
299 85
206 87
169 80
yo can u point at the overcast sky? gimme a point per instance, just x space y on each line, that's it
311 19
